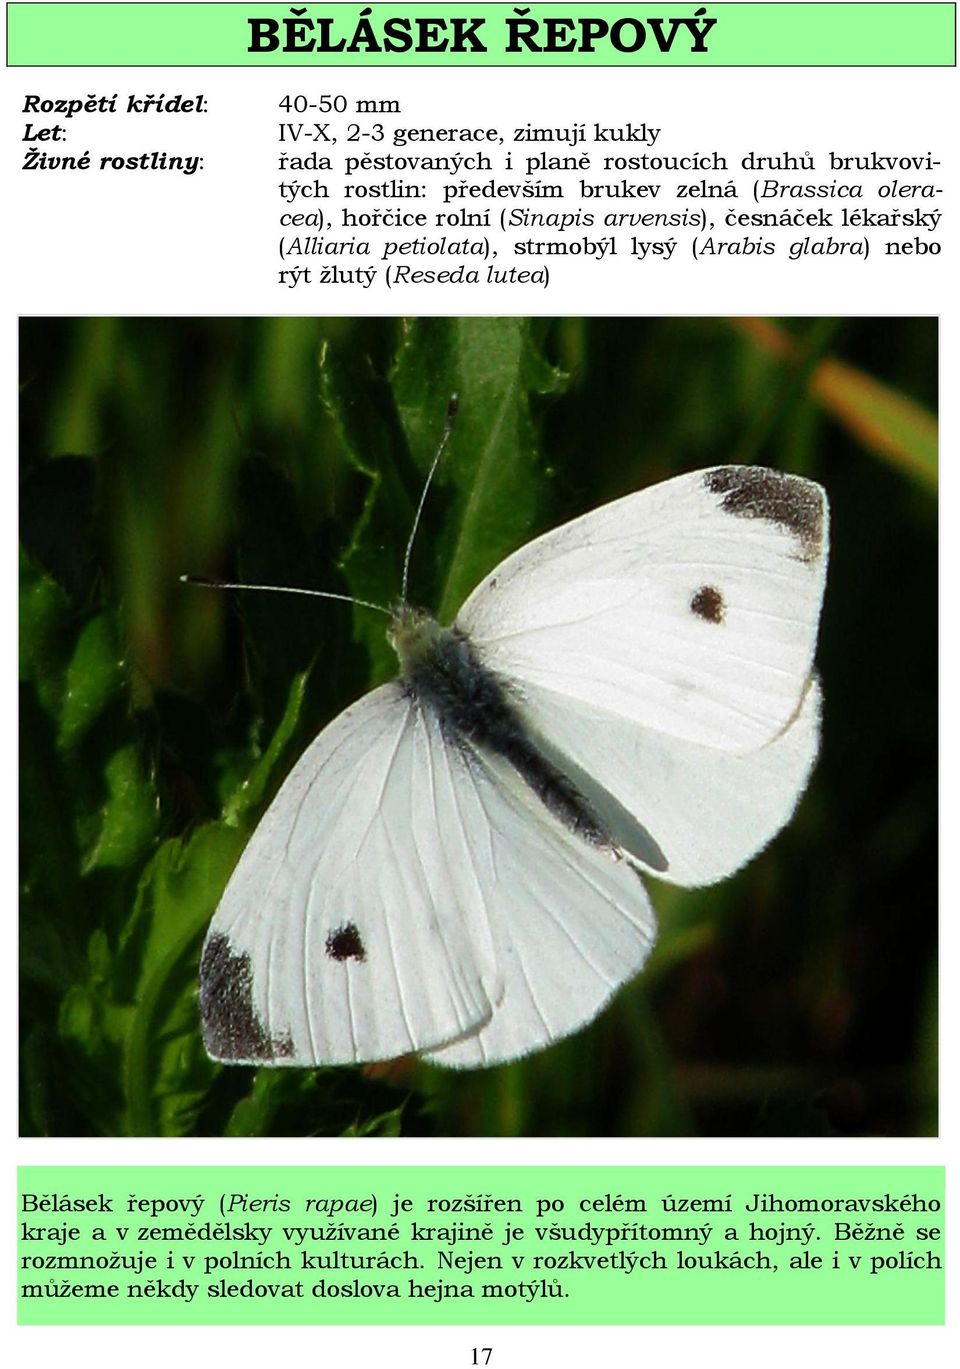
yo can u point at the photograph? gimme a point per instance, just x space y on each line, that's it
478 727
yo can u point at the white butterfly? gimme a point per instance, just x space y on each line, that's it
453 865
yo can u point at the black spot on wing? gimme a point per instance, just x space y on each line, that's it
231 1029
707 603
345 943
787 500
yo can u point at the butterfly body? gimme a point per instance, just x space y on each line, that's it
442 672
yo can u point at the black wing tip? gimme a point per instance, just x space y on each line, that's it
792 502
232 1031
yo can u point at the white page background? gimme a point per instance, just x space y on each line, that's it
205 245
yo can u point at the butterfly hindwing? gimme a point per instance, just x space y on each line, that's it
570 919
690 814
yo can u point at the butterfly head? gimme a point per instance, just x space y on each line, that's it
414 635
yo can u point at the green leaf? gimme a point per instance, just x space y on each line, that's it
490 489
361 408
166 1072
44 634
493 465
249 796
94 679
326 1102
138 1000
127 818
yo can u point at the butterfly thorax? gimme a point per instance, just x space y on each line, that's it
443 673
439 666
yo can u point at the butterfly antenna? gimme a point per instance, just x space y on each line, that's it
282 589
452 408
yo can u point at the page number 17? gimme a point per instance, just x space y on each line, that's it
480 1354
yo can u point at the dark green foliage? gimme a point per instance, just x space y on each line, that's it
158 719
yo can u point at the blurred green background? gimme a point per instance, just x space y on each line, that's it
158 719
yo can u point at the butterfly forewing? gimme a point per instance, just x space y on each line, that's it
353 927
689 608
